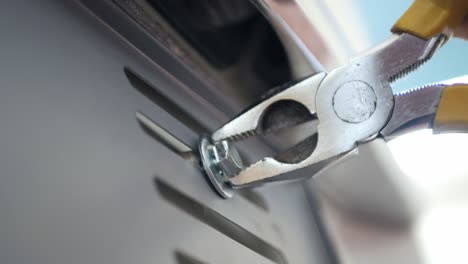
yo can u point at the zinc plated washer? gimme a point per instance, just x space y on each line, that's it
212 170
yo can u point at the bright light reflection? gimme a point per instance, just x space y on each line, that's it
442 235
433 162
438 164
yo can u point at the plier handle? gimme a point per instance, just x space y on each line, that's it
352 104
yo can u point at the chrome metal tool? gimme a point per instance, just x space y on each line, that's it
352 104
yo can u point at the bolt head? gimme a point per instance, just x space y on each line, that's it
227 158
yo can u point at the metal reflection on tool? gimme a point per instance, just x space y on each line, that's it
352 104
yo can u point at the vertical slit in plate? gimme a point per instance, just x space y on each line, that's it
218 222
164 137
153 94
184 258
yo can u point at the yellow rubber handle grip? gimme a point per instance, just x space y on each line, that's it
427 18
452 113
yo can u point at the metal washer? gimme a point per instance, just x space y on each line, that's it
213 172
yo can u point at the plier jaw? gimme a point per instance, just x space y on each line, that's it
352 104
285 107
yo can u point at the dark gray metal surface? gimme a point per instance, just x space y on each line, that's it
81 181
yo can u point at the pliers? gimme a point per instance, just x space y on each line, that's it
352 104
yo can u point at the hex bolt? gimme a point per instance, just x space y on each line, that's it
227 159
220 161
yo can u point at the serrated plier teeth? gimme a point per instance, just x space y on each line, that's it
292 106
